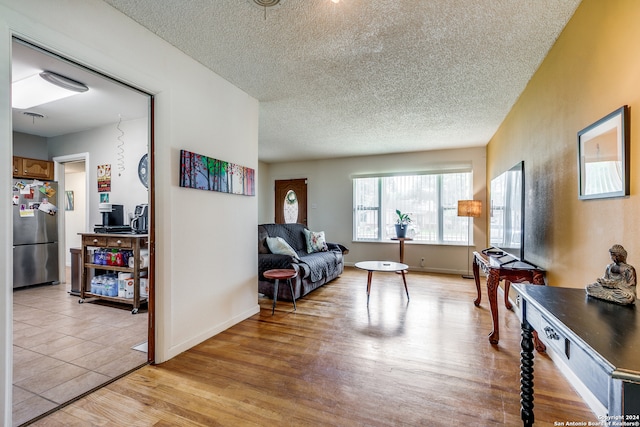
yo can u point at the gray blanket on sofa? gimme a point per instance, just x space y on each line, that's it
321 264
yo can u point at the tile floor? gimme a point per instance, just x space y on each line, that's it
62 349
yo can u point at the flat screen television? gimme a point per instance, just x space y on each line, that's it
506 231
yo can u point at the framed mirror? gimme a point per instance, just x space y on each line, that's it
603 157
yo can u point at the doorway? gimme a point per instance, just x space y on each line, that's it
291 201
63 349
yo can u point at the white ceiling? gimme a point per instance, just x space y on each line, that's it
105 103
364 77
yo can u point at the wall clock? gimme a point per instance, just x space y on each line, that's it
143 170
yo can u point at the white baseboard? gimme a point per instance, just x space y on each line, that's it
588 397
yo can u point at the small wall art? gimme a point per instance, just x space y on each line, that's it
104 178
603 157
206 173
70 201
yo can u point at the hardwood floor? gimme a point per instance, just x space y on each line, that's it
336 363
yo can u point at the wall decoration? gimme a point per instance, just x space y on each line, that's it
603 157
206 173
143 170
104 178
69 198
104 198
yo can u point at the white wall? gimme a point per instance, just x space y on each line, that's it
265 191
32 146
206 271
102 145
329 188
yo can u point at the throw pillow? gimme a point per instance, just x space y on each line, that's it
278 245
315 241
262 241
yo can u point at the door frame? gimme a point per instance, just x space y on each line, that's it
151 200
58 171
59 162
280 189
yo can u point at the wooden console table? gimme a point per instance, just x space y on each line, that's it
597 340
500 268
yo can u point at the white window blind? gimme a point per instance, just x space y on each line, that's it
431 200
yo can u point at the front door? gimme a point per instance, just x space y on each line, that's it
291 201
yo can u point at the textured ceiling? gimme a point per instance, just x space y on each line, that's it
365 77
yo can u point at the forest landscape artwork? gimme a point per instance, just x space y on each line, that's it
206 173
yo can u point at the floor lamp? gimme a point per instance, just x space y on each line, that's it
470 209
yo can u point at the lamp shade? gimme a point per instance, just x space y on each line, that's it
470 208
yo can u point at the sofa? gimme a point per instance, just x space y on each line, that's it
316 261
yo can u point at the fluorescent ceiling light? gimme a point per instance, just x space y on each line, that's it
43 88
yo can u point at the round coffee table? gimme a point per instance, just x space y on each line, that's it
277 275
388 266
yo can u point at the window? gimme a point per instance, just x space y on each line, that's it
431 200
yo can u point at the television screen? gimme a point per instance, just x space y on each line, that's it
506 231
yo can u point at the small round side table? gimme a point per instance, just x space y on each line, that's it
277 275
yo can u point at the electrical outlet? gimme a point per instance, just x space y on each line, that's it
422 262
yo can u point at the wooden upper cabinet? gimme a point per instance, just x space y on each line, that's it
17 164
32 168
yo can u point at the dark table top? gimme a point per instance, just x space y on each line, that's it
611 330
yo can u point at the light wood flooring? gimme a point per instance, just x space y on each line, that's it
336 362
62 349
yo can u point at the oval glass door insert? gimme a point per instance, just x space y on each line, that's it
290 207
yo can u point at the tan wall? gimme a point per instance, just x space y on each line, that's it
592 70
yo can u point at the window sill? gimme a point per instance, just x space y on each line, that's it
415 242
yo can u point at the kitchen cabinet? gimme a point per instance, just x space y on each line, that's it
118 242
24 167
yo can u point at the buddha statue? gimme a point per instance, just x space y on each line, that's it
618 284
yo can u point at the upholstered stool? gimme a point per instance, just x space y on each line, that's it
277 275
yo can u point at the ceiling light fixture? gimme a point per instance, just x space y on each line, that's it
265 4
33 116
42 88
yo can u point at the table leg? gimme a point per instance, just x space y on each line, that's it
539 345
401 243
293 297
492 294
507 303
538 278
275 297
476 276
369 285
404 280
526 375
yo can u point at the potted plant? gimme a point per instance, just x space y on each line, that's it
401 224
